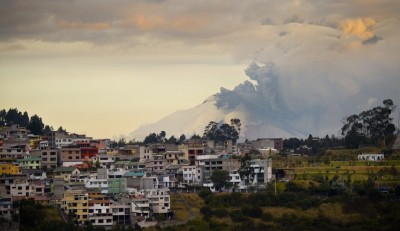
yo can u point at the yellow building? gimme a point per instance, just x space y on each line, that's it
34 141
10 169
76 202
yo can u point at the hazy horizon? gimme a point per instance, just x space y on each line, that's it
105 68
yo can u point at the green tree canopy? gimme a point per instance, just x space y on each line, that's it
374 125
223 132
36 125
220 178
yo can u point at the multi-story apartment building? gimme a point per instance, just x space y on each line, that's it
10 169
99 184
157 165
105 161
71 154
40 188
14 151
193 148
88 153
159 200
49 157
100 213
262 171
140 207
7 181
192 175
22 188
121 213
145 153
30 163
6 207
173 157
213 162
116 185
76 202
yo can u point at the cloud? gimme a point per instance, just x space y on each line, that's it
12 48
313 60
360 27
85 26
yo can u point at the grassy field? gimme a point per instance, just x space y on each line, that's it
182 212
343 163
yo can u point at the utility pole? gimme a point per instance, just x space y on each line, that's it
275 184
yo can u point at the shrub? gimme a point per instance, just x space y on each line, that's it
222 212
206 211
252 211
238 216
267 217
204 193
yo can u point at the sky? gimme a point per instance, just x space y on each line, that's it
104 68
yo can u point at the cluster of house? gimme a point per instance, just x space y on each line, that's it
91 181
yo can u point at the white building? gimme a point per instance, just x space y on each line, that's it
371 157
192 175
101 184
105 161
21 189
140 207
159 200
100 213
262 171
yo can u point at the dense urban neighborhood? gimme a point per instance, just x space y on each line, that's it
90 180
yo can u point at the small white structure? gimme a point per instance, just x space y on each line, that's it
21 189
101 184
371 157
192 175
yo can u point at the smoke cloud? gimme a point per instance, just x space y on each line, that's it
361 27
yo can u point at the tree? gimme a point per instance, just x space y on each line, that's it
161 136
220 178
151 138
352 131
47 130
24 120
246 172
3 120
182 139
61 129
374 125
223 132
195 136
121 142
36 125
235 122
172 140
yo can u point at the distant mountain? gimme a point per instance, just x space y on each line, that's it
194 120
260 108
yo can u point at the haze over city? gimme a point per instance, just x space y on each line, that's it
104 68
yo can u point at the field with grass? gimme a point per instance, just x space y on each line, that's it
343 164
